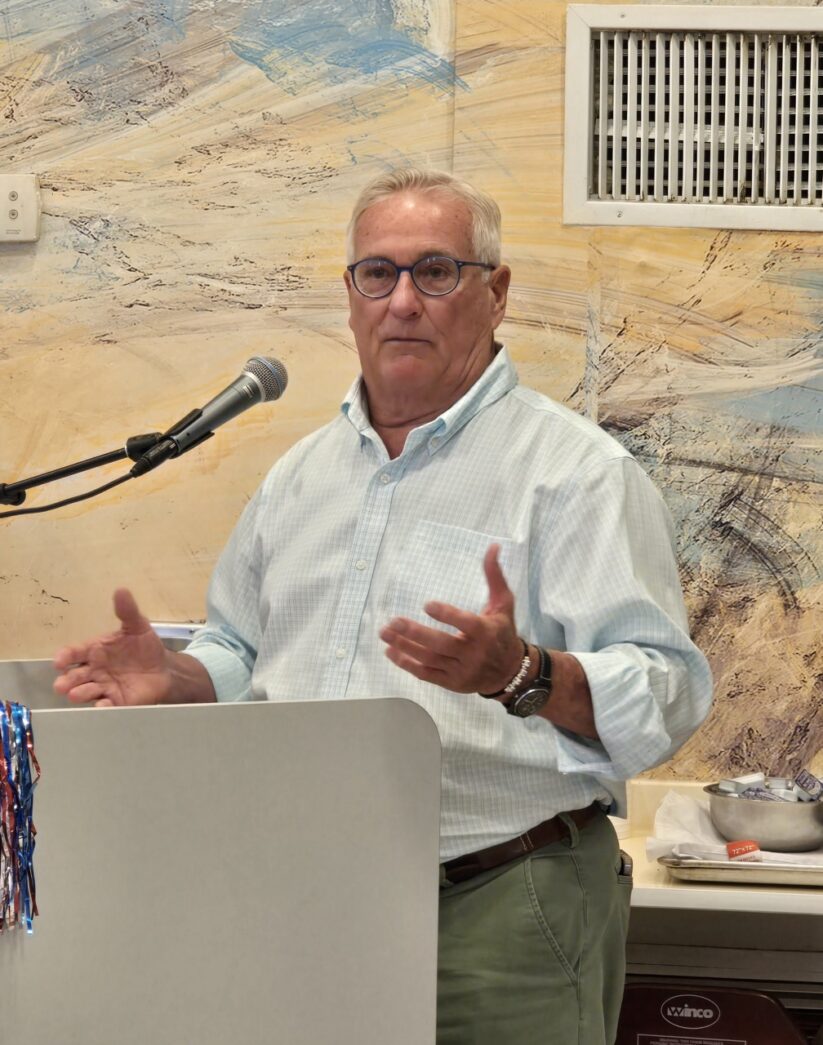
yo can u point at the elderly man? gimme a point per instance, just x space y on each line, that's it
514 565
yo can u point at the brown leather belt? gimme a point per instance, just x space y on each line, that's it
464 867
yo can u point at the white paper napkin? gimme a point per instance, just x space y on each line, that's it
683 828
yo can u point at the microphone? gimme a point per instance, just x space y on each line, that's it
262 380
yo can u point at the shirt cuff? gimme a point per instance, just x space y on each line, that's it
630 723
579 755
230 677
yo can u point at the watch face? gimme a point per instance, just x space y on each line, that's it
529 703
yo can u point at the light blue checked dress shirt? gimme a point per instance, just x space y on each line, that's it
339 539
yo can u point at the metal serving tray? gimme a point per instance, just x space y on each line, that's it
742 873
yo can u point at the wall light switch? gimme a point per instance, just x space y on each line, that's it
19 208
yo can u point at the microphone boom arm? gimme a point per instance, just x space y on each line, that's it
262 380
136 447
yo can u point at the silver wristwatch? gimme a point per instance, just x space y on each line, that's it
536 695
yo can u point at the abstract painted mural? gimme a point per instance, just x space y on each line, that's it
198 161
720 396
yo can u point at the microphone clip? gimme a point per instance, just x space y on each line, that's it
164 447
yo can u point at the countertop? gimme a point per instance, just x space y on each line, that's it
654 887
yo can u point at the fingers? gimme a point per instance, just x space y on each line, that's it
80 686
414 667
479 650
463 663
402 629
70 655
77 665
501 599
131 620
128 613
427 653
426 646
87 693
465 622
86 676
75 676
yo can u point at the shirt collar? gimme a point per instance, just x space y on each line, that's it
497 379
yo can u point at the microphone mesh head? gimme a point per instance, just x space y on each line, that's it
270 373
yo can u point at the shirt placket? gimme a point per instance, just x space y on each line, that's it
360 567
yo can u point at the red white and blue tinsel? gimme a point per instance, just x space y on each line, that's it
19 773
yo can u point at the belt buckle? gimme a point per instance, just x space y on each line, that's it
528 844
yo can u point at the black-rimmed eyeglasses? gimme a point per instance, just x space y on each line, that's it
435 276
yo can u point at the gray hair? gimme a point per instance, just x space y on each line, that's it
485 213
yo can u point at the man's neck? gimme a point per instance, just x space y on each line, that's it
395 433
394 417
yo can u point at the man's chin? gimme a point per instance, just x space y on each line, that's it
408 345
410 369
415 360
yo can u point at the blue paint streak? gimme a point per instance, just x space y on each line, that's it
174 14
52 21
334 41
113 59
810 279
799 407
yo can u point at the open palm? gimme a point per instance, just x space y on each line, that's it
128 666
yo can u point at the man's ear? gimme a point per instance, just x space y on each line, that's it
499 282
351 293
349 287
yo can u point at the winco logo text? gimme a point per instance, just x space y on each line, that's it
689 1011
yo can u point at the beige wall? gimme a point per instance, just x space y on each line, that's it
197 181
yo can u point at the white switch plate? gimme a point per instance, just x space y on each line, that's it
19 208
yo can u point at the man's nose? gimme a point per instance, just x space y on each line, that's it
405 299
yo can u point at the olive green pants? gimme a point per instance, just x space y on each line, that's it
533 953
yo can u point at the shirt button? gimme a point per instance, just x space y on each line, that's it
340 652
361 564
384 478
434 442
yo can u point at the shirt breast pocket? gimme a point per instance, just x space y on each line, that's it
445 564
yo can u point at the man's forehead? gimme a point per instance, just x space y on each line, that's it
410 202
430 222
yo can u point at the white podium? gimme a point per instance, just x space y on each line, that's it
250 874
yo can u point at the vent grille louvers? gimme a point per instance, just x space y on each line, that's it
694 115
707 117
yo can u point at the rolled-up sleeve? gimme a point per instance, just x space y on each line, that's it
227 644
609 578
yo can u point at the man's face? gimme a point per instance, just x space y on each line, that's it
427 349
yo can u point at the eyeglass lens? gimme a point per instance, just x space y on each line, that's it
376 277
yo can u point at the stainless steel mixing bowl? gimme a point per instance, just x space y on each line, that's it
782 827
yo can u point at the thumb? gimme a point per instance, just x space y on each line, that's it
132 620
500 595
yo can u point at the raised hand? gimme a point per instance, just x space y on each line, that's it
129 666
482 657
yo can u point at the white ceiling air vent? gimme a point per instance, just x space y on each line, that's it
705 116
